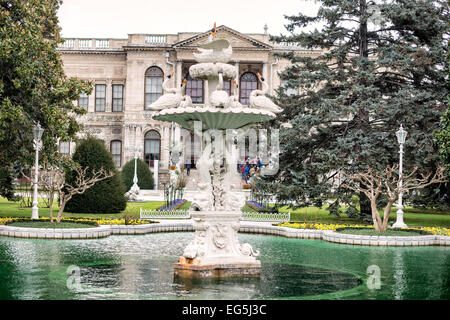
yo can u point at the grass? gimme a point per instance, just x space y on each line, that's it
12 209
373 232
49 225
414 217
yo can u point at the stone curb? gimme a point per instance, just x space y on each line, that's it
341 238
259 228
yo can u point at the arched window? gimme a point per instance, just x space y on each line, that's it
227 87
249 82
152 147
153 85
116 151
194 89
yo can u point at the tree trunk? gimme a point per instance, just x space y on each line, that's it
60 212
387 212
365 210
62 203
376 216
50 201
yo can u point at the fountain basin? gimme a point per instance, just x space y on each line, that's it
214 118
208 71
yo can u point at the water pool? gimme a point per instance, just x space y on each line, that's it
140 267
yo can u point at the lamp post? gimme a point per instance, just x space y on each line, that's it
37 135
401 137
135 188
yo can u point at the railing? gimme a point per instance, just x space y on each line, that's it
85 43
164 214
155 39
102 43
68 43
266 216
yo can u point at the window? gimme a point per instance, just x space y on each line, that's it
64 148
117 98
249 82
194 89
152 146
153 85
100 97
227 87
83 101
116 151
288 91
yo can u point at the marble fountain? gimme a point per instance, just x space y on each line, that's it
215 251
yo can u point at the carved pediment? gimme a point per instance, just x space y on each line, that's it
237 40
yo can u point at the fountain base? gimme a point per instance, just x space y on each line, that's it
215 250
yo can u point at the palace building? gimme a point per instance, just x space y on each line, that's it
128 73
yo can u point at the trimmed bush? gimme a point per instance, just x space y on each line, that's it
144 175
106 196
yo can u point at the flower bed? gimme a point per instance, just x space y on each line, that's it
174 205
89 221
258 207
337 227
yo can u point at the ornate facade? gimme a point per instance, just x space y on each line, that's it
128 75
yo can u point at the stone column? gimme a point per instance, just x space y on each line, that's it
236 64
91 97
108 100
178 75
206 93
265 71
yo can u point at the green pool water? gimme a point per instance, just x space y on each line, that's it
140 267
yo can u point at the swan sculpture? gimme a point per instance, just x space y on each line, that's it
258 99
219 97
186 101
170 99
214 50
233 101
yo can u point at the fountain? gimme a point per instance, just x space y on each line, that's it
215 250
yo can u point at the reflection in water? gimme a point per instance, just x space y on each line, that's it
141 267
276 281
399 275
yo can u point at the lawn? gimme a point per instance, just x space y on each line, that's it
373 232
12 209
61 225
412 217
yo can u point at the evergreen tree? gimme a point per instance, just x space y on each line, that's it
144 175
383 65
106 196
33 86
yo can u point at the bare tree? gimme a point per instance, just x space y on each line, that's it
53 178
374 184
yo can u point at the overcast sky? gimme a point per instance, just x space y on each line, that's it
117 19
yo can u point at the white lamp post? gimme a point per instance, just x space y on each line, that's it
37 135
135 188
401 137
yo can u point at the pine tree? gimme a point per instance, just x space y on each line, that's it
106 196
383 65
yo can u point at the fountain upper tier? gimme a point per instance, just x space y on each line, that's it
220 109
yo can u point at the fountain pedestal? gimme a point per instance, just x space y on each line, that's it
215 250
